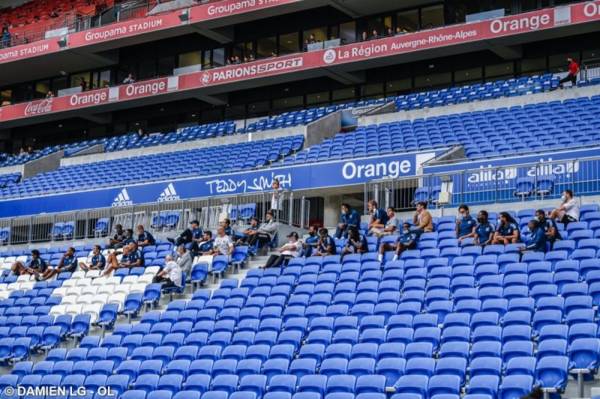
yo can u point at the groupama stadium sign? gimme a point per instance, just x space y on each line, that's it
356 52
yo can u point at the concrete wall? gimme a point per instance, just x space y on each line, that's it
11 169
95 149
45 164
505 102
327 126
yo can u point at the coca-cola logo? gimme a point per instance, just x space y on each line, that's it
38 107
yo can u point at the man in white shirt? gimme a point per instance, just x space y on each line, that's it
170 275
222 244
568 211
292 249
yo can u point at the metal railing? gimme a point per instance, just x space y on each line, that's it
590 69
158 217
493 184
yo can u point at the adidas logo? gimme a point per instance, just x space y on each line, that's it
168 194
122 199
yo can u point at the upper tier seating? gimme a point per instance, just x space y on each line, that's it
201 161
19 159
504 131
441 320
9 179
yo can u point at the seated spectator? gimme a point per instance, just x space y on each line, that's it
311 240
348 218
130 258
205 247
170 275
549 226
68 263
389 31
244 235
265 232
390 227
507 231
422 220
292 249
96 262
191 235
483 232
568 210
184 260
144 237
401 31
35 267
326 244
406 240
374 34
464 223
222 244
537 240
378 216
128 238
356 243
117 240
226 224
363 36
129 79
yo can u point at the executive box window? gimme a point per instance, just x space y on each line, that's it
76 78
348 32
558 62
432 17
147 69
497 70
467 75
41 88
372 90
258 108
266 46
317 98
288 43
288 102
434 79
396 86
191 58
320 34
408 20
218 57
343 94
533 65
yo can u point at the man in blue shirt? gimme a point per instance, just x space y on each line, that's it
128 238
378 216
205 247
356 243
117 240
97 262
144 238
464 223
483 232
311 241
35 266
507 231
189 235
131 257
406 240
549 225
537 241
68 264
226 224
244 235
348 218
326 244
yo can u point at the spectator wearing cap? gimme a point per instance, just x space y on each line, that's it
378 217
348 218
96 262
36 265
265 232
326 244
422 219
191 235
289 250
144 237
356 243
537 240
311 240
248 231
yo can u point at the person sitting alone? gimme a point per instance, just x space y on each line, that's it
483 232
549 226
311 240
507 231
355 244
35 267
144 237
131 258
422 219
184 260
348 218
170 276
464 223
289 250
326 244
568 210
537 240
96 262
406 240
67 264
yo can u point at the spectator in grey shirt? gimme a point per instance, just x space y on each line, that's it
184 260
265 232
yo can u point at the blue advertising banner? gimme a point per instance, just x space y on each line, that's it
311 176
503 179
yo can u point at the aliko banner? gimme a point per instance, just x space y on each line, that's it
356 52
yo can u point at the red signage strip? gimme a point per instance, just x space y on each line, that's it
29 50
227 8
389 46
125 29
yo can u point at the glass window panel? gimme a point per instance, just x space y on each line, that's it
342 94
206 59
435 79
408 20
372 89
266 46
288 43
432 17
288 102
317 98
261 107
398 85
533 64
76 78
505 69
558 62
191 58
42 88
320 34
348 32
218 57
465 75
